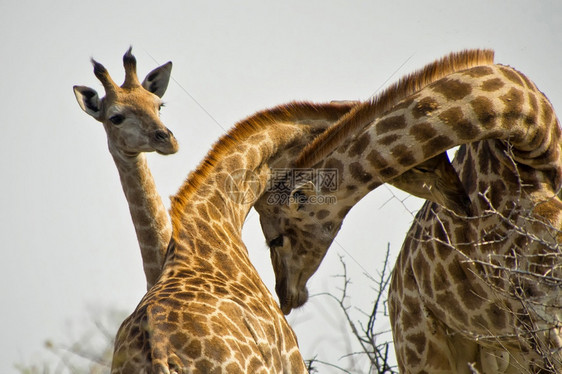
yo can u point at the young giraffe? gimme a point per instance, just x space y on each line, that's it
480 290
130 116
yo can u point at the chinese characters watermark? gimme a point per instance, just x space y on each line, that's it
244 186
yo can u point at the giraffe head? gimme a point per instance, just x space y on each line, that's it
130 113
299 224
299 227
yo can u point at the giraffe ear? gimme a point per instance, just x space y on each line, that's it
301 195
157 80
88 100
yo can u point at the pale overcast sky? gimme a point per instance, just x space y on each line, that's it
70 249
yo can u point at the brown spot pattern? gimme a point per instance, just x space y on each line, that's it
468 175
484 160
498 191
323 213
452 89
403 155
448 301
423 131
411 356
455 118
479 71
513 102
461 153
388 139
492 85
484 110
358 172
440 277
439 143
532 116
419 341
334 164
413 313
388 172
377 160
496 316
359 145
512 75
390 123
425 107
546 111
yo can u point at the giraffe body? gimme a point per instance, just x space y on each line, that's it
480 288
130 116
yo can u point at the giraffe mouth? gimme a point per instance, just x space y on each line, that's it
290 299
290 283
164 142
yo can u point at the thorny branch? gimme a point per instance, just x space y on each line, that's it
367 336
526 273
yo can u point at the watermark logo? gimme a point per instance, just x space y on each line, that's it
285 180
300 199
244 186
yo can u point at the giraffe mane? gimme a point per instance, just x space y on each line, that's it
293 112
362 115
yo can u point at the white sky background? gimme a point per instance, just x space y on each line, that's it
70 251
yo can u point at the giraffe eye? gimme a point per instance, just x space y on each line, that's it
117 119
423 169
277 242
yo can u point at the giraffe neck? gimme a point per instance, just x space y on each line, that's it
484 102
152 225
214 211
217 196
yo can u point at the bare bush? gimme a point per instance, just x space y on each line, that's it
378 351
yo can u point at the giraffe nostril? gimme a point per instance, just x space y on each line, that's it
161 136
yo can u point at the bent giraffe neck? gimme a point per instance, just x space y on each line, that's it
151 221
228 189
235 172
484 102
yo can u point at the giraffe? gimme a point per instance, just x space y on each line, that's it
209 311
130 116
469 292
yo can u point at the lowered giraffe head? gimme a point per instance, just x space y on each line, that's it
300 223
300 226
130 113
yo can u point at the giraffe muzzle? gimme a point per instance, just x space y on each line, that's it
164 142
290 298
